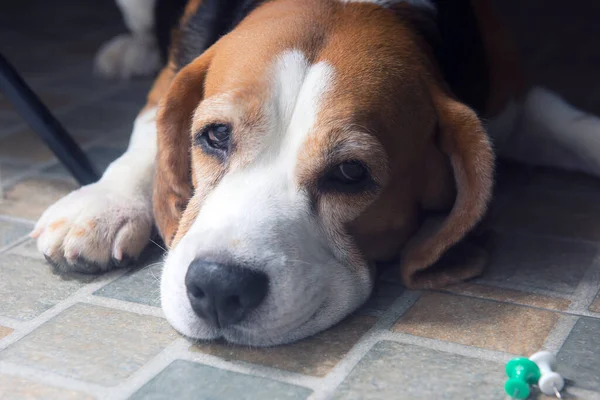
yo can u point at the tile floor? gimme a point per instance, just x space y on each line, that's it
106 338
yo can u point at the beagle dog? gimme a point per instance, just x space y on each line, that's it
290 145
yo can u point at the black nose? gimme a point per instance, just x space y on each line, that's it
223 294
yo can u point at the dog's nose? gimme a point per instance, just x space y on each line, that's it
223 294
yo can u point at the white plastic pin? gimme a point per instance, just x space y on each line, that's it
550 383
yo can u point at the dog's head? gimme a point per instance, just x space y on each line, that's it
298 150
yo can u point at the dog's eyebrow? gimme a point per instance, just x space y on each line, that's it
355 143
209 108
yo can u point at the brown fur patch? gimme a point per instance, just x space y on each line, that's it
57 224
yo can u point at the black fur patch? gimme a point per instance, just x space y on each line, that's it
166 18
454 35
462 54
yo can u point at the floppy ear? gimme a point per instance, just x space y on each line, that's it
426 260
172 183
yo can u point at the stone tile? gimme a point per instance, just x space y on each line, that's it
25 145
99 156
133 95
480 323
80 82
94 344
579 357
17 388
4 332
29 198
384 294
100 118
313 356
53 101
10 231
10 170
402 371
564 214
595 306
184 380
509 296
141 285
28 287
27 249
539 262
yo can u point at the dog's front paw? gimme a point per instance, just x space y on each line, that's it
94 229
127 56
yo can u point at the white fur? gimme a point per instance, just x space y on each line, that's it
108 220
545 130
428 4
261 217
134 54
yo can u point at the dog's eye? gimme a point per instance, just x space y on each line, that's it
214 138
350 172
217 136
349 177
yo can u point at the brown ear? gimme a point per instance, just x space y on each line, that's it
172 183
465 142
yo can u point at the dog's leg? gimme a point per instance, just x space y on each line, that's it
135 54
109 222
553 133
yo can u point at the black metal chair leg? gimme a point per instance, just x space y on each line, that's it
44 124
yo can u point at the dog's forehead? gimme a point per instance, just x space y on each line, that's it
314 84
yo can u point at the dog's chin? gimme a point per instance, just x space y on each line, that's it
251 334
197 330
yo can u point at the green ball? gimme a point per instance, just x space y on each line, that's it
524 369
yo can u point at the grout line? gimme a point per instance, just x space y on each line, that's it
567 312
559 333
524 288
53 379
19 220
14 244
449 347
588 314
587 289
495 300
331 382
77 297
122 305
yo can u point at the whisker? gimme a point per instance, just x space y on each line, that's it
154 264
154 276
158 245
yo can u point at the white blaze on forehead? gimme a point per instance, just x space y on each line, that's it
298 88
429 4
